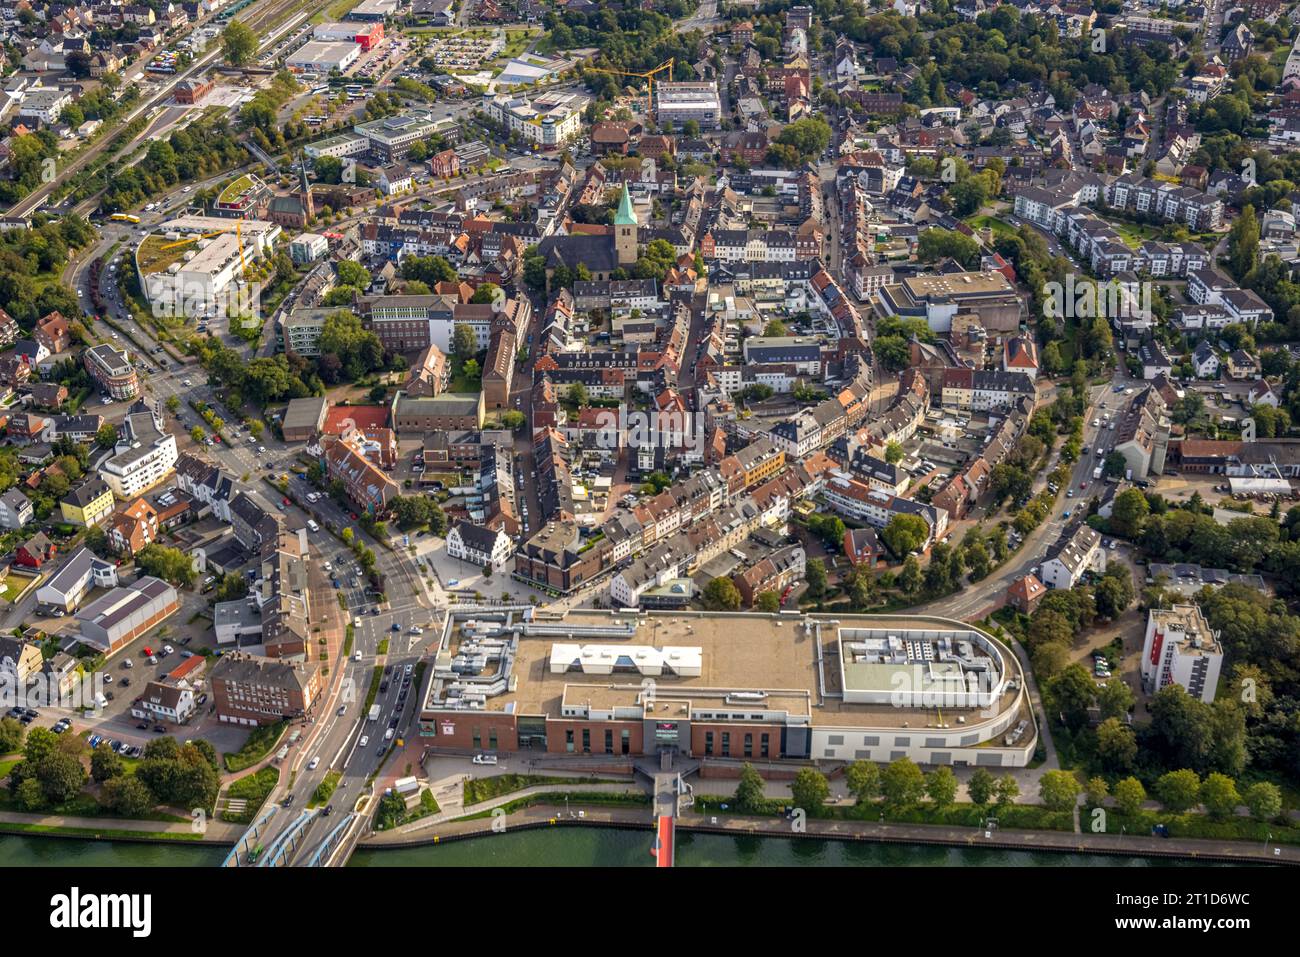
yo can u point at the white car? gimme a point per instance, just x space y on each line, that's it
315 762
168 649
485 759
363 742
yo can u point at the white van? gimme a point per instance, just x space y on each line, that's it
311 523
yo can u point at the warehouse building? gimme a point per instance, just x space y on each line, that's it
118 617
321 57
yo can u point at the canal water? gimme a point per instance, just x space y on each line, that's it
574 847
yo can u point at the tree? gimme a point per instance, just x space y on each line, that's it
352 273
11 736
905 534
1058 790
721 594
1073 692
1243 243
464 343
1219 795
1179 791
910 578
486 294
749 798
238 43
893 453
61 776
1050 659
1264 800
1130 795
1129 513
1114 593
1049 626
1008 790
1097 790
1114 699
577 394
105 763
127 797
815 572
769 602
1116 744
106 437
775 328
902 783
981 787
863 780
941 786
513 420
809 790
170 564
197 434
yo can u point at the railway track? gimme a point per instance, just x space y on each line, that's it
262 19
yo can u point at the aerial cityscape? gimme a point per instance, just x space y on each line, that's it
650 433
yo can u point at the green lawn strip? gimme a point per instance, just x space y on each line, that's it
347 640
83 804
1197 825
253 788
259 744
574 798
9 827
478 790
375 678
1016 816
325 790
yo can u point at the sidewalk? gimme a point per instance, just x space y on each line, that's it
216 832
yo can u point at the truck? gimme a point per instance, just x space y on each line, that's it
374 713
1096 473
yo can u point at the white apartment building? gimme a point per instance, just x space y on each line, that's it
1180 648
548 120
143 457
1074 555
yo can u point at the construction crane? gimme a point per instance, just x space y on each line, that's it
239 238
648 76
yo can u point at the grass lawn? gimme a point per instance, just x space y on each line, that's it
999 227
1021 816
156 253
325 790
14 585
478 790
259 744
1199 825
460 382
254 789
1132 234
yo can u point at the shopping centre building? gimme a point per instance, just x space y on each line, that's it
726 686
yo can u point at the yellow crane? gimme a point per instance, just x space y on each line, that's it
648 76
239 238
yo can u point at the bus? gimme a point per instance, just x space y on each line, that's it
315 120
124 218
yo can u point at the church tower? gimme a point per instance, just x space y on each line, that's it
625 230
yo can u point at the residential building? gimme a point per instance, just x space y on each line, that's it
1180 648
72 581
251 690
1075 554
144 456
479 546
90 503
